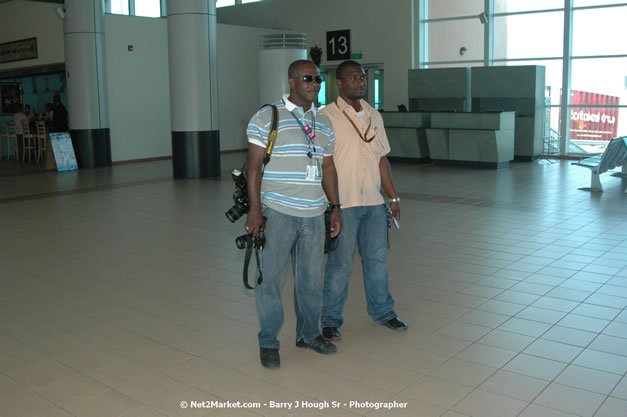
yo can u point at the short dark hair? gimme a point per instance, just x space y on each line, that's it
343 67
291 71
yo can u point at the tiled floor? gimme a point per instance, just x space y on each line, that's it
121 295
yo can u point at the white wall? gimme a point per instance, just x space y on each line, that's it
238 82
380 29
139 96
25 19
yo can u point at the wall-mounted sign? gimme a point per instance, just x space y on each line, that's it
18 50
338 45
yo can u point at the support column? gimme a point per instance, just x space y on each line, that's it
83 29
193 88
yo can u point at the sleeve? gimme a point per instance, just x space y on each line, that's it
259 127
330 148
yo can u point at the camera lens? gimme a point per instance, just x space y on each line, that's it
233 214
242 242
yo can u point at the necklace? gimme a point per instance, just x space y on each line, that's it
362 137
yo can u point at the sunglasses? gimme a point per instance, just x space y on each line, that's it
310 78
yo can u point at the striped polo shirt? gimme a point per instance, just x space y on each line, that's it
285 186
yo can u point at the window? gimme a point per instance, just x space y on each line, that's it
536 35
148 8
117 7
513 6
599 31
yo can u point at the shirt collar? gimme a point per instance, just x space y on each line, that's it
289 106
344 106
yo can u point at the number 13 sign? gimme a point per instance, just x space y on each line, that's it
338 45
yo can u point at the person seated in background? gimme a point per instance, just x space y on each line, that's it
20 118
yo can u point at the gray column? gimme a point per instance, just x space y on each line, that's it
83 30
193 88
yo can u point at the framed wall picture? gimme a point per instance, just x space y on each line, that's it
18 50
11 98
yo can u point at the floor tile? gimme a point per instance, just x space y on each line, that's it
437 391
486 404
588 379
509 384
463 372
535 367
569 399
613 407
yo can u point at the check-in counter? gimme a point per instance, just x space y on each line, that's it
479 139
406 132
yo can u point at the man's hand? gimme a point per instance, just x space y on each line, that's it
336 222
396 211
254 221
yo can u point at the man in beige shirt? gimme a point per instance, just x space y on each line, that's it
362 168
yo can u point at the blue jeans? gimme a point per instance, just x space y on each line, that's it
303 239
366 228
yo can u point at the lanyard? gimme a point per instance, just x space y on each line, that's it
362 137
307 131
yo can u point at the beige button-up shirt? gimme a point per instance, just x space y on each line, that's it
357 162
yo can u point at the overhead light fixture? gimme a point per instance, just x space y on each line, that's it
60 12
483 18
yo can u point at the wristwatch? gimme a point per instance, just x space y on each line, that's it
395 200
335 206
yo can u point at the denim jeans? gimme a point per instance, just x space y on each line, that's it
303 239
366 228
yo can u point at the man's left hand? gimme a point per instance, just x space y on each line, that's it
396 210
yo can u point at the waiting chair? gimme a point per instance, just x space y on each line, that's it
11 137
28 139
42 136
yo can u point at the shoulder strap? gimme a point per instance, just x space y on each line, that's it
272 135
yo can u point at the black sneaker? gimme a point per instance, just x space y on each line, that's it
319 344
395 324
270 358
331 333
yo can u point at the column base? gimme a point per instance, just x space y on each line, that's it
196 154
92 147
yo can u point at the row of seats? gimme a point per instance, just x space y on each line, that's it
34 141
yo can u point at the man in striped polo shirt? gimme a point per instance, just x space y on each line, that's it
290 193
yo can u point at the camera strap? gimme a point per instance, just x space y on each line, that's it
274 125
249 250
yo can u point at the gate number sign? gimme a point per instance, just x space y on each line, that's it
338 45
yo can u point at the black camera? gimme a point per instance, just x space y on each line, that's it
254 242
240 197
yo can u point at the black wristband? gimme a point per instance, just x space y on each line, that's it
335 206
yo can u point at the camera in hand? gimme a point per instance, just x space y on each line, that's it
240 198
246 241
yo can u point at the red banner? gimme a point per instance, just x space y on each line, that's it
592 123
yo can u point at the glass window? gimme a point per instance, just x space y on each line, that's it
600 31
529 35
148 8
378 89
449 8
250 1
600 76
222 3
119 6
582 3
596 82
511 6
446 40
